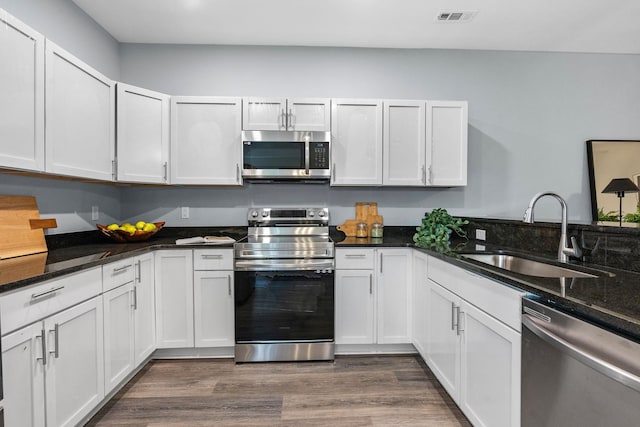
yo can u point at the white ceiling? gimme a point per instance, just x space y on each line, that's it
609 26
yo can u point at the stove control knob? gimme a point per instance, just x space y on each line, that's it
254 214
321 214
311 214
265 214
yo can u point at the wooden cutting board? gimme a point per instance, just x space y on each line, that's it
21 227
366 212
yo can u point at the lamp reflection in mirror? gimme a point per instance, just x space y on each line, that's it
621 186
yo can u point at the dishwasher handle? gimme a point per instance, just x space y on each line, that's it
597 362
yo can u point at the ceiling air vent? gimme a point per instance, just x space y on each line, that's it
456 16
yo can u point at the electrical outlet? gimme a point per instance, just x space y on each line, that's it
95 213
481 234
184 212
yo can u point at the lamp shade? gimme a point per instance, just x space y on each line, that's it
621 185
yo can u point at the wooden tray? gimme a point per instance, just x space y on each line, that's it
21 227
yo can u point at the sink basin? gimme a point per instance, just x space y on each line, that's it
526 266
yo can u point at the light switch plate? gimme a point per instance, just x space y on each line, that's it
95 213
481 234
184 212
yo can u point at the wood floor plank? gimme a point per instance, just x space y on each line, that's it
352 391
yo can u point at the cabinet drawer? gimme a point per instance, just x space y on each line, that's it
496 299
117 273
36 302
354 259
213 259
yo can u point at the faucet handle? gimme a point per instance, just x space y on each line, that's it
575 250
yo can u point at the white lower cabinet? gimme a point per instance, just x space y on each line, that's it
144 308
372 301
420 302
213 297
174 298
55 364
473 343
118 335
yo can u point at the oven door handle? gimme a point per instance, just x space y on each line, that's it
581 354
255 265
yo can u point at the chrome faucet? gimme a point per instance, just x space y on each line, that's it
564 250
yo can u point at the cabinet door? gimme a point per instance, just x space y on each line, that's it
394 296
356 142
420 302
490 376
174 298
22 100
443 341
23 377
309 114
206 140
213 308
264 114
144 308
354 307
447 143
404 143
75 363
80 110
142 147
118 335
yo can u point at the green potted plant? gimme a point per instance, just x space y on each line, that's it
436 229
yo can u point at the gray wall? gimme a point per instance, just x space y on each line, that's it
529 117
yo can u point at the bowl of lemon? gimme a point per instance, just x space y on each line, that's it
128 232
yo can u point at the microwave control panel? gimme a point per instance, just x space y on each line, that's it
319 155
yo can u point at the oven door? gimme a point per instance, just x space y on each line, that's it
284 306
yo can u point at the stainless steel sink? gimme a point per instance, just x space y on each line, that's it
526 266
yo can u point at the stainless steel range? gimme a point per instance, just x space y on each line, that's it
284 286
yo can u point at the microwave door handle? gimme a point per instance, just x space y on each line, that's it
306 155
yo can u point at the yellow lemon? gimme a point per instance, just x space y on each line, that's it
140 225
149 226
113 226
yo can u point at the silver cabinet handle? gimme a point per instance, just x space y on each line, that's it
121 269
381 258
459 323
370 284
43 347
283 119
333 173
424 174
355 255
56 342
237 172
453 316
113 169
50 291
135 297
211 256
138 277
229 284
291 120
430 175
164 166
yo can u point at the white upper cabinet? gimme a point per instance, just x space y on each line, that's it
404 143
295 114
142 147
356 141
22 99
206 140
80 110
447 143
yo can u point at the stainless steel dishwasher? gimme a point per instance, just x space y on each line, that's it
575 373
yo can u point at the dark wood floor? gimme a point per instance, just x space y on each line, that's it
352 391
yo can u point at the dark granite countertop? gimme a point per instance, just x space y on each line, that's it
611 301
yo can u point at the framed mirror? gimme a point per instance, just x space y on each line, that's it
614 160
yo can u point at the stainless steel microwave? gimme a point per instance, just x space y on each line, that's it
275 155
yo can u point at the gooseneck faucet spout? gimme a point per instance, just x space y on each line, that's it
564 250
